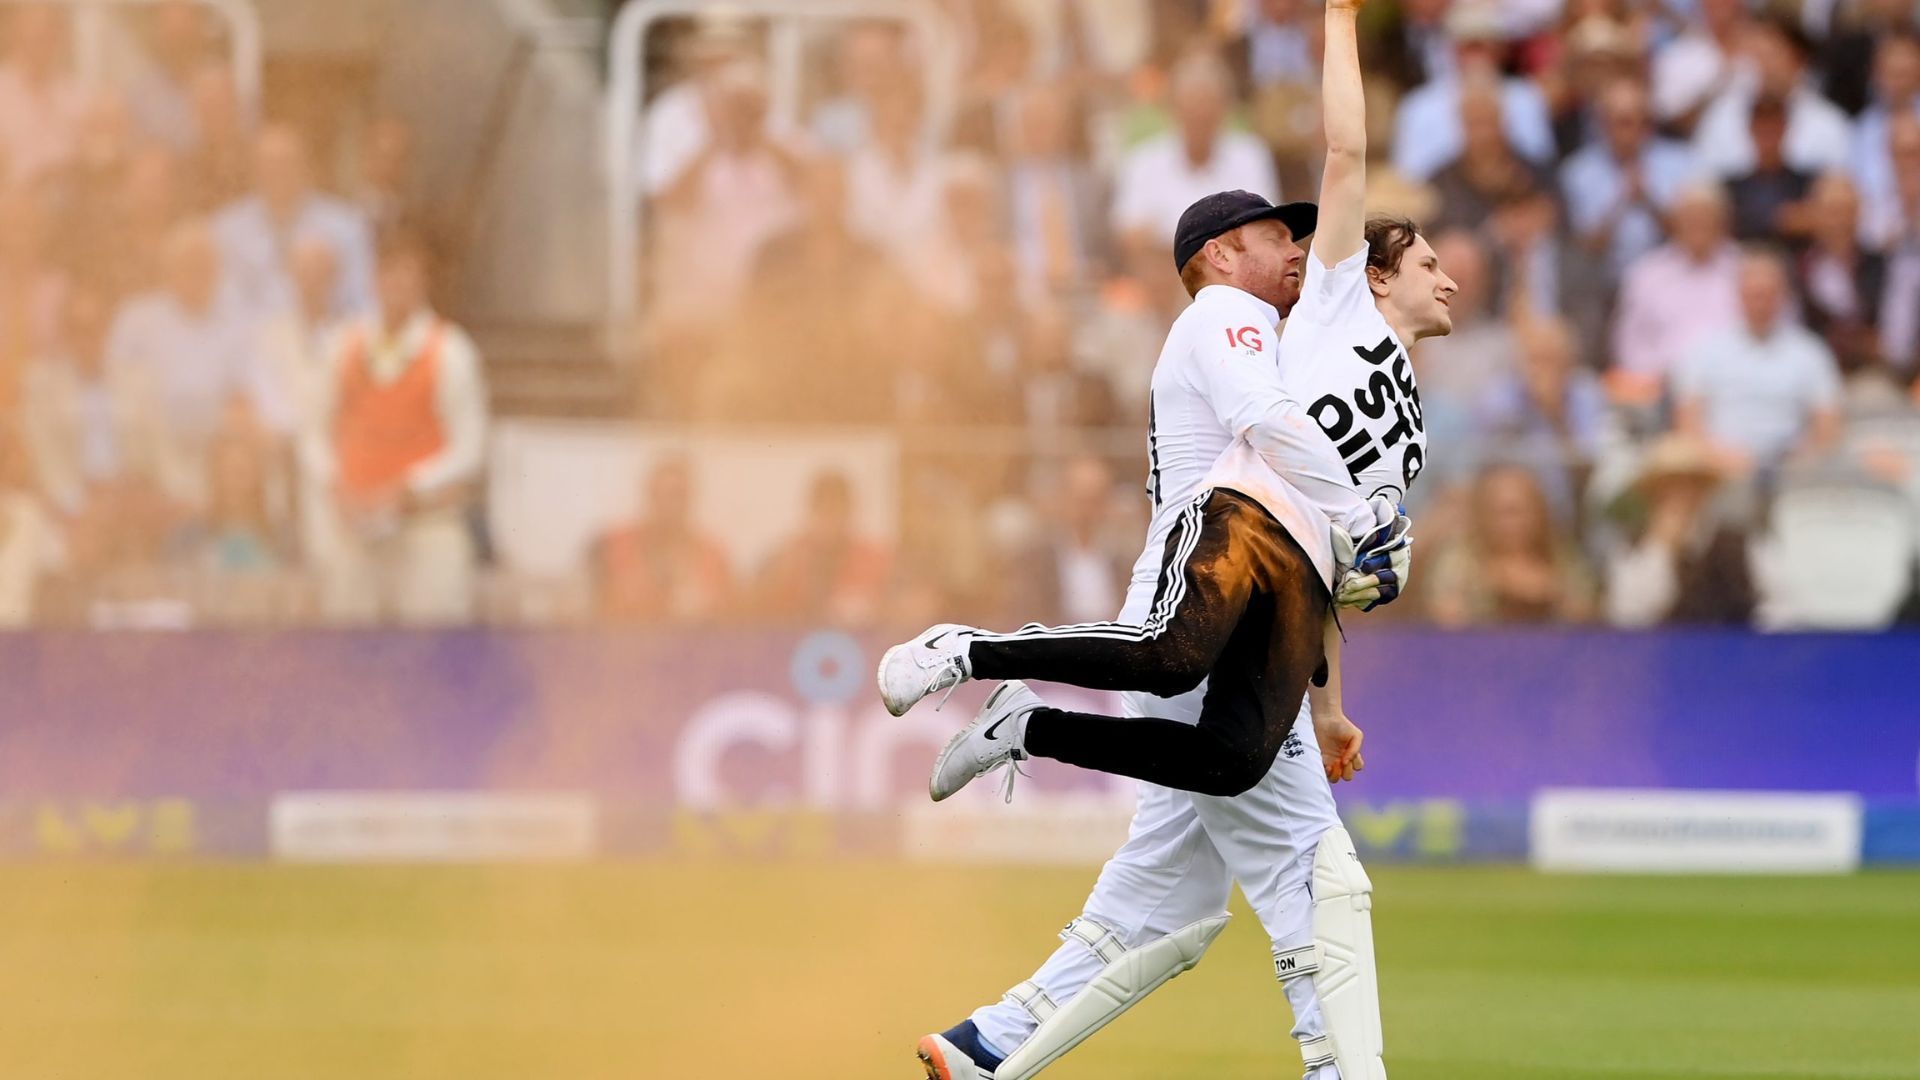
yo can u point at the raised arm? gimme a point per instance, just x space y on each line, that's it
1343 184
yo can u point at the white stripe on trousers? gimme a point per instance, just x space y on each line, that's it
1185 536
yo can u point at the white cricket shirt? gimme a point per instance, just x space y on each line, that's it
1217 380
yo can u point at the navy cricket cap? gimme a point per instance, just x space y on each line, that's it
1226 211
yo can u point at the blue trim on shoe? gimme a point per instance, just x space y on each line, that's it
967 1039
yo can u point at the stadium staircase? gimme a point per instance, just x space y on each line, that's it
504 97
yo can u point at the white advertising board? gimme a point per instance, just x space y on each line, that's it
1690 832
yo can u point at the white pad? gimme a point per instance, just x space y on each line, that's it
1343 977
1130 975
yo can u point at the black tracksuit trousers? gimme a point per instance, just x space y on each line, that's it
1238 602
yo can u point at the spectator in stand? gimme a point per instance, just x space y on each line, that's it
81 419
121 249
1550 414
1765 387
1281 46
1161 177
993 74
1077 571
215 170
161 94
294 343
1537 271
959 374
740 189
237 534
1691 70
1414 46
85 204
1896 92
31 547
400 439
1851 56
1678 292
1684 564
258 232
951 348
1512 566
1427 130
297 348
660 567
195 352
825 299
1839 285
30 290
1487 175
1279 52
897 188
384 191
826 572
1092 41
1818 136
1387 191
1055 393
1895 224
974 244
678 123
1892 214
1178 27
102 150
41 103
1592 54
1768 200
1532 25
1619 186
1053 196
870 64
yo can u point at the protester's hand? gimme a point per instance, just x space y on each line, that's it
1340 740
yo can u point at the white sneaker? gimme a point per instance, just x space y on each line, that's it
934 661
945 1061
997 736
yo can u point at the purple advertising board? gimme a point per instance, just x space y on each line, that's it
715 718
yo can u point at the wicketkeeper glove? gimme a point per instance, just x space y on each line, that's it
1372 569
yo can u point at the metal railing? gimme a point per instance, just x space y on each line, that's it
548 29
90 43
627 88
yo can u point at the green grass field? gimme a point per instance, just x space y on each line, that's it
698 971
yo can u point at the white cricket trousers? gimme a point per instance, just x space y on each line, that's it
1183 854
422 575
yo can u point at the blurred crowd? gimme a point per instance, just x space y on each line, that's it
1681 387
225 393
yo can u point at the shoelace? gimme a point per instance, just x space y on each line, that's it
1014 772
952 667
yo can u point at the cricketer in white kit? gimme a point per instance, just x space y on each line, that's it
1343 360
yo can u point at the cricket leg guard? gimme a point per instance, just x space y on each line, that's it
1343 973
1130 975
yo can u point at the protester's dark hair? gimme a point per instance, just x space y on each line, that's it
1388 239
